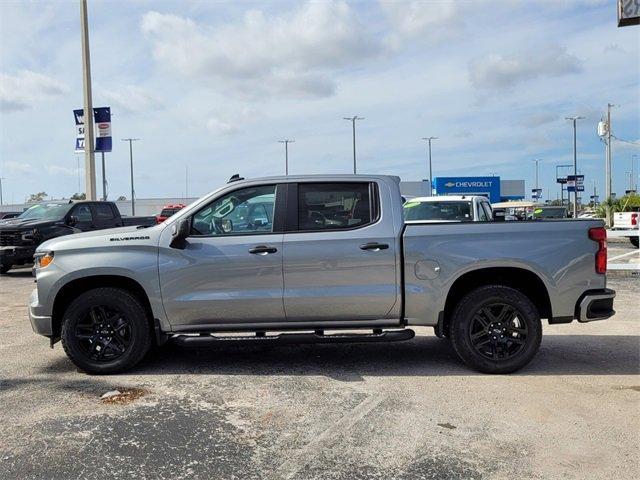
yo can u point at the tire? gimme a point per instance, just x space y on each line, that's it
4 269
496 329
106 330
635 241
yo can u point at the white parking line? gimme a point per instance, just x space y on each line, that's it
625 255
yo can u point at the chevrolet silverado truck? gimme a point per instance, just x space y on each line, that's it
20 236
316 259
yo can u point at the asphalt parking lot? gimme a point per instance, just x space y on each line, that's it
408 410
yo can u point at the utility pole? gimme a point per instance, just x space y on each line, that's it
353 122
89 156
286 154
634 185
575 165
133 191
428 139
1 178
608 175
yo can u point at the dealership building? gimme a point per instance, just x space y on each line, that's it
494 188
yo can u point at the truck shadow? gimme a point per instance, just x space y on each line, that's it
422 356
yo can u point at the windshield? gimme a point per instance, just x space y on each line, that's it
560 212
456 211
46 211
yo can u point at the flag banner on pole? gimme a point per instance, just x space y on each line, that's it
575 183
102 123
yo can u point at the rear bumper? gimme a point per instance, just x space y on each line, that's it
40 323
595 305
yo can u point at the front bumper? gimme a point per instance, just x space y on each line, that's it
17 255
595 305
41 323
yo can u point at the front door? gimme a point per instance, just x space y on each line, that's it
340 261
84 217
230 271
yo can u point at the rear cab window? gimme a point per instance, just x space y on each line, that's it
335 206
104 211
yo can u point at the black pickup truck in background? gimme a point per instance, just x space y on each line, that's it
20 236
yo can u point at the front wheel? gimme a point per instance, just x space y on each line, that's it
4 269
496 329
106 330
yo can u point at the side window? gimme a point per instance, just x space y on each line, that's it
482 214
83 213
104 212
323 206
241 212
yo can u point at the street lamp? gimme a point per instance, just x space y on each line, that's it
286 154
133 192
428 139
537 160
353 122
575 166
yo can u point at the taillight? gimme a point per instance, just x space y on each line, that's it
599 234
634 219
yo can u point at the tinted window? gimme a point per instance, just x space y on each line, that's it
83 213
242 212
482 214
167 212
333 205
487 209
104 212
456 211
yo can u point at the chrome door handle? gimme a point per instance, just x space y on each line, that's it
262 250
374 246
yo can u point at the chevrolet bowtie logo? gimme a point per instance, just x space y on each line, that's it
449 184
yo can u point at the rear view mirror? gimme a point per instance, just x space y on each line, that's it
180 233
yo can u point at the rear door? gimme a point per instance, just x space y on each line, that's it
339 256
104 216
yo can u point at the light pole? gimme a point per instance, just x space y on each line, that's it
537 160
634 185
286 154
575 165
353 122
1 178
428 139
89 156
133 192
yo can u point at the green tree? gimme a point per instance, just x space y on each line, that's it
121 198
37 197
79 196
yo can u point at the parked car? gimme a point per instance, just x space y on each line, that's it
628 222
167 211
448 208
334 253
549 213
8 215
20 236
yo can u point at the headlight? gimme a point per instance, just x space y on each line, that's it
29 235
43 260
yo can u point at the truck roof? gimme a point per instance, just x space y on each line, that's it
319 177
445 198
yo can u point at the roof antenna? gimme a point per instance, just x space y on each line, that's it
235 178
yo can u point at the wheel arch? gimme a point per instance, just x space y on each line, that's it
521 279
78 286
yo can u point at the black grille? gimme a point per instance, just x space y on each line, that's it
10 238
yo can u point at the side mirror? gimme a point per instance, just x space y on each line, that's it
180 233
72 221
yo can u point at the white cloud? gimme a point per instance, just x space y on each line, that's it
132 99
540 118
60 170
497 71
26 88
18 167
288 55
436 20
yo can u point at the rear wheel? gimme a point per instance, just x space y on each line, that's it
4 269
496 329
106 330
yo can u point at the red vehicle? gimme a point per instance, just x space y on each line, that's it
168 210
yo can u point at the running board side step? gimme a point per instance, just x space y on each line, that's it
297 338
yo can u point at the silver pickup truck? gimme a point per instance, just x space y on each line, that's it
316 259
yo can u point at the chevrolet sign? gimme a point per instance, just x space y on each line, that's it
488 186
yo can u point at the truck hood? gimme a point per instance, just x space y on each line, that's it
111 237
25 223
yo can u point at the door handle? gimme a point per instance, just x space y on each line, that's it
262 250
374 246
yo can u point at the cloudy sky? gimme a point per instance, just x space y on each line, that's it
214 85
